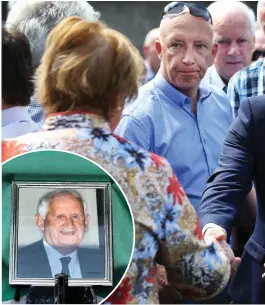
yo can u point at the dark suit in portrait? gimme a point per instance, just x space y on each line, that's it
241 163
33 262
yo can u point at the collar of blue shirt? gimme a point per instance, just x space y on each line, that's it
54 255
15 114
175 95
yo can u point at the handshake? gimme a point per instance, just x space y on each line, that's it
216 234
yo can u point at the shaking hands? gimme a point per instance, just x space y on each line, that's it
216 234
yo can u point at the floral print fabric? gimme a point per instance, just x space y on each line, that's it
167 230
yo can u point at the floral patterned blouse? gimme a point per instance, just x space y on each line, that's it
167 230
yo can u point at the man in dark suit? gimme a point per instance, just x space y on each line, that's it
241 163
62 218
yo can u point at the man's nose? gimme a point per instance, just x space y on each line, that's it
234 49
69 223
188 57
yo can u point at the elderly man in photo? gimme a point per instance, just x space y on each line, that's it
36 19
234 40
62 219
174 116
251 80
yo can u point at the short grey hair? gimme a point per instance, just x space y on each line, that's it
36 19
46 199
219 8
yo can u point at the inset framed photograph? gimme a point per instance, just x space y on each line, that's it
61 227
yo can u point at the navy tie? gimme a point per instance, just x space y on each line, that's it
225 88
65 264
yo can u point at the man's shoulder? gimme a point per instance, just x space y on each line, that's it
217 95
248 72
257 104
143 102
31 248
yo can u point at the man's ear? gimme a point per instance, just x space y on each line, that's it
39 221
87 220
145 50
214 50
158 49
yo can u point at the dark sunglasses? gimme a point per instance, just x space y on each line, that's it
176 8
257 54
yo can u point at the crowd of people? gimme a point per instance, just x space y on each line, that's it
182 132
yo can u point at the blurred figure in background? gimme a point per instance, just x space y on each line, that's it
152 62
259 52
251 80
234 36
36 19
83 92
17 85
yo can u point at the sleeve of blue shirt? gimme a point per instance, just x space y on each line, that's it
134 130
232 181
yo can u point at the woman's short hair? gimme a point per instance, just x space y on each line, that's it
87 66
17 85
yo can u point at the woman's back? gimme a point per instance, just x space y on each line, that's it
166 227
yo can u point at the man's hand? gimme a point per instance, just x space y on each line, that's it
216 234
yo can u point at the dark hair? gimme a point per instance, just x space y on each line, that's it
17 85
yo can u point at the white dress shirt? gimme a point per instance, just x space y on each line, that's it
56 265
212 77
16 122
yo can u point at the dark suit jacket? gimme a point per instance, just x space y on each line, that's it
241 162
33 262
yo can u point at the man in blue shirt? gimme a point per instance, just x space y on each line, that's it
173 115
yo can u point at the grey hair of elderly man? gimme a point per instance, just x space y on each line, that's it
36 19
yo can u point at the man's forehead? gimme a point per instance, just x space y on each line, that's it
232 22
185 22
64 199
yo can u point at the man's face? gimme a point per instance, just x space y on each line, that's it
235 44
185 50
65 223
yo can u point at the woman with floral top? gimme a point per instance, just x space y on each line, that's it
87 72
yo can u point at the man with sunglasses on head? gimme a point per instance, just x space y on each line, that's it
174 115
250 81
234 37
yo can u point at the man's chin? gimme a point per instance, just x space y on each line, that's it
66 248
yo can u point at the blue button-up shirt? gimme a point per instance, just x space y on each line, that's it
16 122
161 121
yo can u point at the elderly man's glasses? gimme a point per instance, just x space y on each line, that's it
177 8
258 54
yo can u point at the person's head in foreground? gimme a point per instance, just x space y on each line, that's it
62 217
17 85
185 45
36 19
234 36
88 67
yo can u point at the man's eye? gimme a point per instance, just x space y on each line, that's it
175 45
61 216
222 41
201 46
75 217
242 40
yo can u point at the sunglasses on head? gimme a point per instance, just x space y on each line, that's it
177 8
257 54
